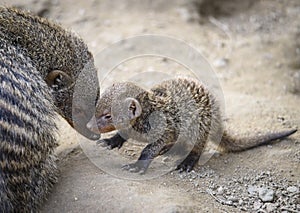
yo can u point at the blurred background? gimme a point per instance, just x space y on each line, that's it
257 40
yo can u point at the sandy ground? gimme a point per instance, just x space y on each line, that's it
254 48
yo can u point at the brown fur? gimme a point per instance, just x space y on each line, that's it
189 114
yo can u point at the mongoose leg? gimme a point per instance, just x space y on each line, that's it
115 141
146 157
166 148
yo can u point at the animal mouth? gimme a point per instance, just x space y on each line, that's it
106 129
93 126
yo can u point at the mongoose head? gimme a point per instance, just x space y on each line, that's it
117 108
60 57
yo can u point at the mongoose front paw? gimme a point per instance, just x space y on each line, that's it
188 163
109 143
138 167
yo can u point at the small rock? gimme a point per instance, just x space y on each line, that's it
220 190
292 189
221 62
233 199
182 176
229 202
266 195
252 189
270 207
246 178
257 205
241 202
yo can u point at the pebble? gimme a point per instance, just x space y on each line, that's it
241 202
252 189
270 207
292 189
220 190
221 62
257 205
266 195
233 199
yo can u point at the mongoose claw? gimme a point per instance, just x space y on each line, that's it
109 143
102 142
188 163
138 167
116 141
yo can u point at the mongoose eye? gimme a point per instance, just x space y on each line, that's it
58 80
107 116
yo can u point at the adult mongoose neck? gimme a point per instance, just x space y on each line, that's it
49 47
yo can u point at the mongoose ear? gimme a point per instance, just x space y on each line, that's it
59 79
134 107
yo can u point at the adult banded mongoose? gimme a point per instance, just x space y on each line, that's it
185 111
39 65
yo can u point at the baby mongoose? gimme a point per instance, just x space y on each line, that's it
186 111
39 65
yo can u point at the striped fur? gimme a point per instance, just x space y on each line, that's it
30 48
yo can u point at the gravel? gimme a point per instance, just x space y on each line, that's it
266 195
256 191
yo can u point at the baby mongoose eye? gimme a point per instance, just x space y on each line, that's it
107 116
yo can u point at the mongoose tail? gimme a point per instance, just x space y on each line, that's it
231 144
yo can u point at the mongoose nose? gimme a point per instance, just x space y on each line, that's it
92 125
